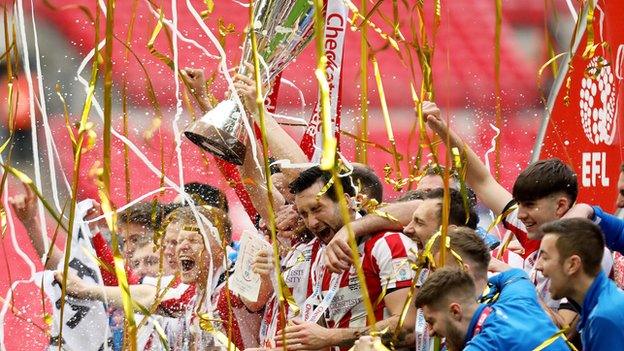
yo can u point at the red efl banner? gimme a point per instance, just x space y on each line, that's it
587 105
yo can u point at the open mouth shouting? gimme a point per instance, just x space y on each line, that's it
189 269
187 264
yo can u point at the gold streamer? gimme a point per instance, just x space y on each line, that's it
104 186
373 26
124 102
29 183
463 189
77 158
205 323
551 62
365 141
497 86
11 124
372 207
344 211
387 122
509 237
590 47
150 43
68 125
283 293
553 338
361 154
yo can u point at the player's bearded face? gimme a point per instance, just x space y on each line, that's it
320 214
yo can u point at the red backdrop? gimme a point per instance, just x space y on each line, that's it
586 131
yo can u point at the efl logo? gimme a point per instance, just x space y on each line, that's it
598 102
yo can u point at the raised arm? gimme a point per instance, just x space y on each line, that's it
195 81
255 184
612 227
25 208
281 144
142 294
487 189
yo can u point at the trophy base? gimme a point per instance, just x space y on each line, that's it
216 141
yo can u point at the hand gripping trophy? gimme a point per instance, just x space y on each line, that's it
283 29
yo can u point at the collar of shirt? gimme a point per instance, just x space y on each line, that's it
591 298
470 333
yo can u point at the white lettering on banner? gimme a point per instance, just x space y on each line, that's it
334 36
335 28
594 166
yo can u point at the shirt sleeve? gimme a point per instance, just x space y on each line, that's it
612 227
177 299
105 254
390 253
486 340
603 334
513 284
513 224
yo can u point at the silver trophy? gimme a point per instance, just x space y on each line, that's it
283 29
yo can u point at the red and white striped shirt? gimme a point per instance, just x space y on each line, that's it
296 273
385 264
238 323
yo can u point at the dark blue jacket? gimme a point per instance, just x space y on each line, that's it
602 316
612 227
517 321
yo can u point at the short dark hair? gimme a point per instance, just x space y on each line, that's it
170 207
581 237
147 214
457 210
622 168
544 178
467 244
434 169
369 183
412 195
314 174
445 283
206 194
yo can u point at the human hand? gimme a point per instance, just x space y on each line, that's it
497 265
288 223
25 206
430 108
338 252
431 114
263 263
580 210
195 80
93 213
367 343
303 336
246 90
75 286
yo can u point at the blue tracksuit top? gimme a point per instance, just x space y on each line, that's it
612 227
602 316
516 322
